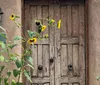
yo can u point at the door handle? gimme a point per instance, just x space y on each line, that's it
40 67
51 60
70 67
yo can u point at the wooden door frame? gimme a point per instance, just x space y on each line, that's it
86 37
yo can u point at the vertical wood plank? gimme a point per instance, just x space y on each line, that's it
69 8
64 68
57 46
52 54
34 56
46 60
70 59
39 14
45 16
75 60
81 45
26 20
33 17
69 20
64 21
75 20
40 72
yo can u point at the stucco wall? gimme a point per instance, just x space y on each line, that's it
94 41
9 7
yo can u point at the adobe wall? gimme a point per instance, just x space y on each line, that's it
94 41
9 7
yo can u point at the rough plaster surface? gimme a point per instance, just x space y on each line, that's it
9 7
94 41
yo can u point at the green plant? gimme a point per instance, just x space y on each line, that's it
24 60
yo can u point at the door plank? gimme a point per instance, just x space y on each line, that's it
27 8
64 84
57 46
64 21
75 84
51 37
45 16
33 17
69 21
64 55
46 84
39 14
81 45
75 20
34 56
40 61
75 60
70 40
46 60
70 59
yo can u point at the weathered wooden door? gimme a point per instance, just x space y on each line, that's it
62 56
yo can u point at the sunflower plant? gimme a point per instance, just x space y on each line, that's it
24 60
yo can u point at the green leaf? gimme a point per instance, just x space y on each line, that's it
8 73
29 59
14 58
2 44
30 66
26 73
98 78
19 83
1 58
2 68
0 80
18 63
31 34
27 52
3 37
17 16
13 82
16 72
17 38
6 81
11 46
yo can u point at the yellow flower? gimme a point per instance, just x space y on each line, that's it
46 36
59 24
32 41
12 17
43 27
52 20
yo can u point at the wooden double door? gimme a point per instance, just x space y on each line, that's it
60 59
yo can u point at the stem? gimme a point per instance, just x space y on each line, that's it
19 74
